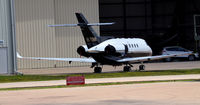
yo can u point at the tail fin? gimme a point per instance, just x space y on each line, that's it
90 36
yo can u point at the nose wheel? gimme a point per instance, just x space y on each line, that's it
97 70
141 67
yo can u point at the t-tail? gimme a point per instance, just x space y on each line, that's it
90 36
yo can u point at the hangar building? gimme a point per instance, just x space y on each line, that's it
35 38
160 22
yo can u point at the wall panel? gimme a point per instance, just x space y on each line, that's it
4 22
35 39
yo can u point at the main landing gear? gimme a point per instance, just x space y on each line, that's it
97 70
128 68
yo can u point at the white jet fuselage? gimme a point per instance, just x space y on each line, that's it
127 47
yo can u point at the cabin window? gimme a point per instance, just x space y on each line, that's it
134 45
129 45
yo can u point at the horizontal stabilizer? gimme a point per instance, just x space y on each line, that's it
100 24
63 25
81 24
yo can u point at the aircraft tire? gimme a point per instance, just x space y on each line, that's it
127 68
97 70
141 67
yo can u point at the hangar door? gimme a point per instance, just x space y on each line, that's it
3 61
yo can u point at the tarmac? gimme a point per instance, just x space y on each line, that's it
150 66
167 93
87 69
100 80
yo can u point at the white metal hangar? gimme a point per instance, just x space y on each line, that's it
35 38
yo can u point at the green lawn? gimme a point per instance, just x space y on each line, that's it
18 78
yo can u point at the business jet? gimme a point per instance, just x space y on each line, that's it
115 52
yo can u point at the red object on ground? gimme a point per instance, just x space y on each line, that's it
75 80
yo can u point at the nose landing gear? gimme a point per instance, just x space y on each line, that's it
141 67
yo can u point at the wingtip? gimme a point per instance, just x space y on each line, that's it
19 56
113 22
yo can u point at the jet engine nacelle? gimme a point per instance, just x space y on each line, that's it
82 50
116 50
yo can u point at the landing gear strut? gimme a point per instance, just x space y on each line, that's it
97 70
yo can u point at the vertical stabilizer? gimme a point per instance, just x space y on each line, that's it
90 36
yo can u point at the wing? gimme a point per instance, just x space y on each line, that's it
89 60
149 58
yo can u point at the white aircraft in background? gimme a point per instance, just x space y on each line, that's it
115 52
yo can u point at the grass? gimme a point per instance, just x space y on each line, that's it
24 78
86 85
